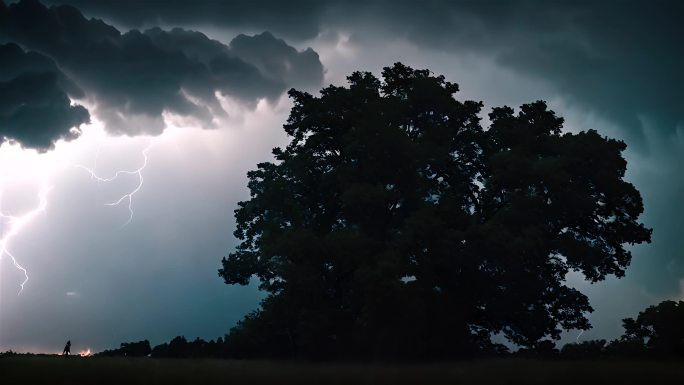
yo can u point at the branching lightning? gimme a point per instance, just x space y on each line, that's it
16 224
11 225
126 197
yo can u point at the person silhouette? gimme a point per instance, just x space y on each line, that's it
67 349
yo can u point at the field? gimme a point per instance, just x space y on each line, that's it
59 370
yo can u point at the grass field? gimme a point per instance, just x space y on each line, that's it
59 370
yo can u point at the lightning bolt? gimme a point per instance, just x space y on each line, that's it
16 224
126 197
579 335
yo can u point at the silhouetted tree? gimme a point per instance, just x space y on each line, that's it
179 347
394 225
659 328
176 348
584 350
129 349
627 348
542 349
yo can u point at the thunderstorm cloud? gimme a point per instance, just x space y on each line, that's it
621 59
131 78
35 109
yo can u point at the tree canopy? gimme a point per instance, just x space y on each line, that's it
658 328
395 225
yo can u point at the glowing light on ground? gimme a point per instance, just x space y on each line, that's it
85 353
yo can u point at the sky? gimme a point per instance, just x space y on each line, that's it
190 95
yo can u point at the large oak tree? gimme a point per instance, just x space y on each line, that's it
395 225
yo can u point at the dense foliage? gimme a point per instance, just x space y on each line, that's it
659 328
394 225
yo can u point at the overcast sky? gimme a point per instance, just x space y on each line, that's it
200 85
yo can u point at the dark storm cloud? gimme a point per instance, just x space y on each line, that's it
35 109
620 59
274 57
293 19
140 74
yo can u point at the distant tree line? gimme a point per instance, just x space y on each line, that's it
655 333
129 349
178 347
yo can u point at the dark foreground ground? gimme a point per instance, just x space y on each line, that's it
59 370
